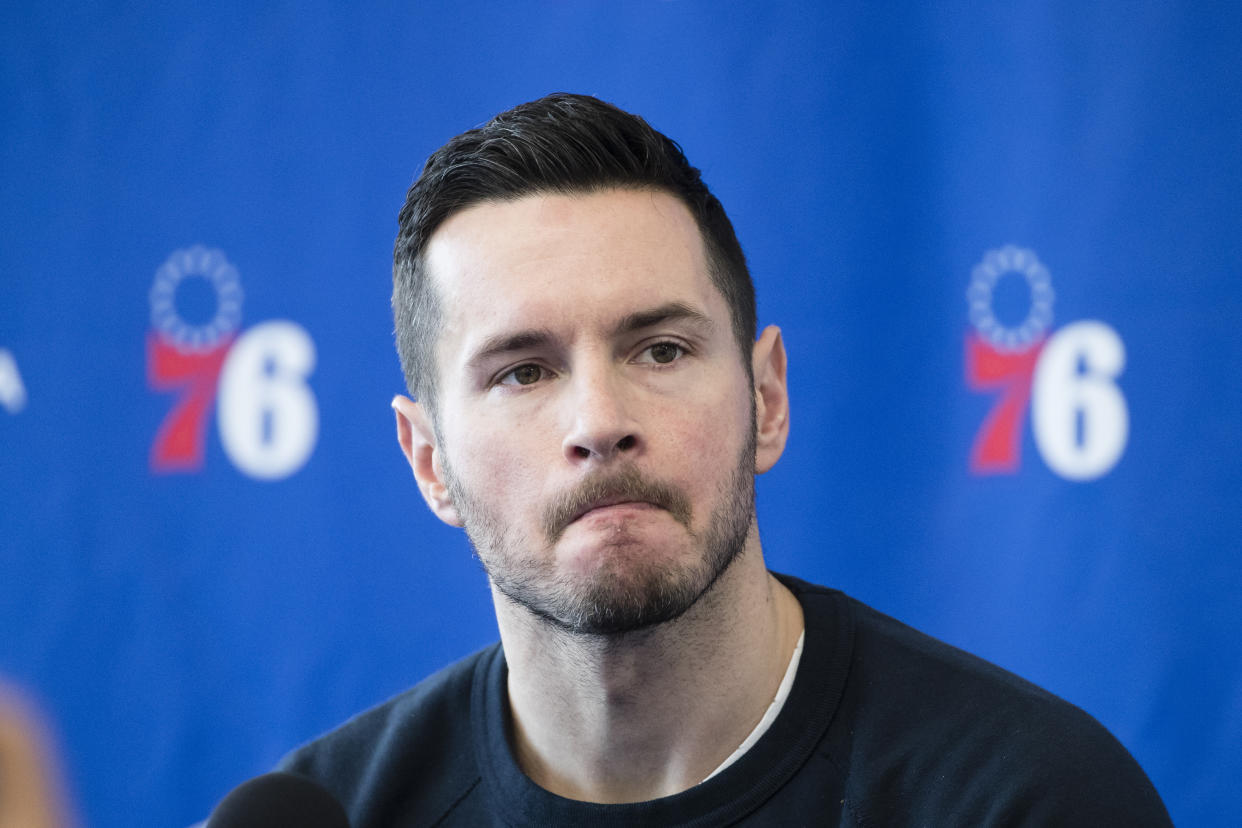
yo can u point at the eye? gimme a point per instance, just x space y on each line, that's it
527 374
662 353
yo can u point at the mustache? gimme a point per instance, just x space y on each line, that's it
625 484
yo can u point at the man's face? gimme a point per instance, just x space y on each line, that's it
596 421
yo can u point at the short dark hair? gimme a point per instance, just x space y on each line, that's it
561 143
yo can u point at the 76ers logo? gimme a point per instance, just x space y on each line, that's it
1078 414
267 415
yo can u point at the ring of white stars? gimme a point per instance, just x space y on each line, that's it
209 264
983 279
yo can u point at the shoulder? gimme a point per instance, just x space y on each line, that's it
410 754
928 732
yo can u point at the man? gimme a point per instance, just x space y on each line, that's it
576 321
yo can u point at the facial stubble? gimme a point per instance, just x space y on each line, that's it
631 589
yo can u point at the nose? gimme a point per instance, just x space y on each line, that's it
602 428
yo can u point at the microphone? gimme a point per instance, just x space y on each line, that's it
277 800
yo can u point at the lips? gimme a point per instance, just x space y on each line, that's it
605 502
613 488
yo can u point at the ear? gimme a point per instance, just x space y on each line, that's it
418 444
771 399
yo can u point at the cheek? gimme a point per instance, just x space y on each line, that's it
496 464
705 440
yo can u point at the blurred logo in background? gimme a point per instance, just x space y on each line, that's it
12 391
254 380
1068 377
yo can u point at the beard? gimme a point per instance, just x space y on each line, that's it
626 592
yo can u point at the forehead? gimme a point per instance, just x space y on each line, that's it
552 260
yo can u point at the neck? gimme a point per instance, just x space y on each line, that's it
641 715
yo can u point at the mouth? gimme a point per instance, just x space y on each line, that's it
620 493
608 502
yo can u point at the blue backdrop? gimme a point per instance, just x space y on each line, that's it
1003 246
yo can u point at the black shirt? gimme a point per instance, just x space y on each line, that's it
883 726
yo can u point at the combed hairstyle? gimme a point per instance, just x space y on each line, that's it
563 144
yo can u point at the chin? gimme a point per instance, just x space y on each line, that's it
624 599
615 586
615 574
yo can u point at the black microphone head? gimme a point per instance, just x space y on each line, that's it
278 800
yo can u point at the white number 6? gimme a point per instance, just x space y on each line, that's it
268 416
1078 413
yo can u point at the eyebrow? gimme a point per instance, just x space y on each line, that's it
501 344
669 312
535 338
